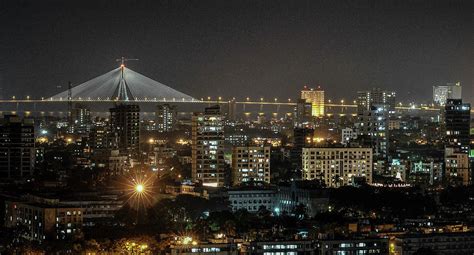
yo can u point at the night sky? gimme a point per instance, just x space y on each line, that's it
241 48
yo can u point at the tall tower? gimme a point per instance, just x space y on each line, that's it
166 116
17 147
125 125
457 123
316 98
208 147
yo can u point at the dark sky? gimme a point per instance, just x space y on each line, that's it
241 48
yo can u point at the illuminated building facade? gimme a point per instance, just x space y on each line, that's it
81 120
337 167
44 221
166 116
373 124
376 96
250 163
207 147
442 93
316 98
252 198
456 167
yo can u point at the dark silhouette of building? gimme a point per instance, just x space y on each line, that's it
302 137
457 122
17 147
125 125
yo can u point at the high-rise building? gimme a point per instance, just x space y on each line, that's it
457 116
302 137
376 96
81 120
337 166
166 116
208 165
250 163
125 125
17 147
441 93
316 98
303 113
373 124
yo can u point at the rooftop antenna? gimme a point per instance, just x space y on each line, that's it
122 61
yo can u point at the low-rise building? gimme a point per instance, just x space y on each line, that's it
353 246
307 193
445 243
292 247
43 221
201 248
252 198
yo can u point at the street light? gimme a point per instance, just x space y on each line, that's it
139 188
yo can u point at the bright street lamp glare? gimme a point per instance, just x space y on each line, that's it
139 188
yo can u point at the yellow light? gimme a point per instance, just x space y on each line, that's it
139 188
151 140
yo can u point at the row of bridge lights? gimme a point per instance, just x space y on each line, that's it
248 99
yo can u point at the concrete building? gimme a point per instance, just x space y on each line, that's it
441 93
310 194
252 198
316 98
348 134
445 243
456 167
208 147
280 247
99 136
373 123
430 168
457 117
302 137
337 166
166 117
202 248
114 163
353 246
250 163
125 125
17 147
376 96
303 113
43 221
81 120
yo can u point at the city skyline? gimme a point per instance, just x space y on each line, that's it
236 127
217 49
